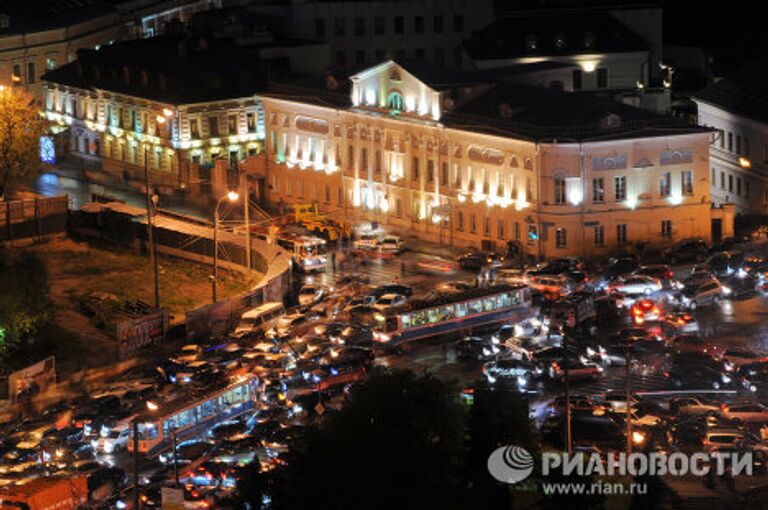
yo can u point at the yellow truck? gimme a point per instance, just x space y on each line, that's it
319 223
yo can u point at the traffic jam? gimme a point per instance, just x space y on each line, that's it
631 337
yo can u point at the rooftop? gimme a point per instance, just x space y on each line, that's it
37 15
169 69
541 34
745 91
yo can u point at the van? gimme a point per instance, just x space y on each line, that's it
259 319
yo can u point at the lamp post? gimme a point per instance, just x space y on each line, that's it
232 196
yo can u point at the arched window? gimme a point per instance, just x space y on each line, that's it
395 101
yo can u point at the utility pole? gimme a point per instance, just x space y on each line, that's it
628 390
135 425
151 248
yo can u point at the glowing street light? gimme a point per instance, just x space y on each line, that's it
232 196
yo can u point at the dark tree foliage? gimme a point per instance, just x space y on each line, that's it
25 308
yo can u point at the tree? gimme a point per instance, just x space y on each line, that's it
399 442
20 129
25 307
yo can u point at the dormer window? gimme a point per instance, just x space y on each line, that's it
560 41
531 42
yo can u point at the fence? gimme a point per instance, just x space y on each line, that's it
29 218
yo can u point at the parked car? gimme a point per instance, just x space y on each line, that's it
746 412
686 406
708 293
392 244
688 250
477 260
634 285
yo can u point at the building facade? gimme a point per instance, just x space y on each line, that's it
735 107
409 156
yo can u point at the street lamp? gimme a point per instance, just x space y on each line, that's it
231 196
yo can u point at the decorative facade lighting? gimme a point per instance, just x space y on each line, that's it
745 162
589 66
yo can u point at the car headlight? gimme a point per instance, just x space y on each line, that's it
725 378
521 381
726 290
109 447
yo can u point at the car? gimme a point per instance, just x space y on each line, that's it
310 294
259 319
285 324
577 369
631 335
477 348
579 404
367 241
753 376
692 370
688 250
717 438
556 266
475 260
453 287
634 285
678 323
724 263
661 272
595 430
645 311
551 286
512 276
688 343
688 406
708 293
359 301
392 288
112 441
389 301
511 370
617 266
392 244
745 412
616 400
735 358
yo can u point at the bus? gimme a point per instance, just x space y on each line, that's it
307 253
453 314
188 417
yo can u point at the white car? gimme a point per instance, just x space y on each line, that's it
113 441
285 324
392 244
367 242
693 406
389 301
746 412
637 284
310 294
616 401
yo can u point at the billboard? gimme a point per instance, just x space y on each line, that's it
28 382
133 334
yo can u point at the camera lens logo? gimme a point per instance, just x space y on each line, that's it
510 464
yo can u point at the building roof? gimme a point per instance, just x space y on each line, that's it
438 77
542 115
37 15
745 91
513 36
170 69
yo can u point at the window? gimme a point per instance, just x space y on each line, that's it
738 144
561 238
722 180
460 221
458 23
194 128
415 169
232 124
399 24
379 25
430 171
621 233
746 188
398 208
437 21
598 191
577 79
31 75
599 232
250 120
738 186
364 159
559 188
359 26
50 63
377 162
602 78
17 77
486 226
687 182
360 57
500 225
350 157
665 184
444 173
418 24
730 142
666 229
473 223
338 27
620 188
746 146
213 126
440 56
730 183
395 101
320 28
517 231
341 58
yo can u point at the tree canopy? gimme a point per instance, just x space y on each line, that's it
20 129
